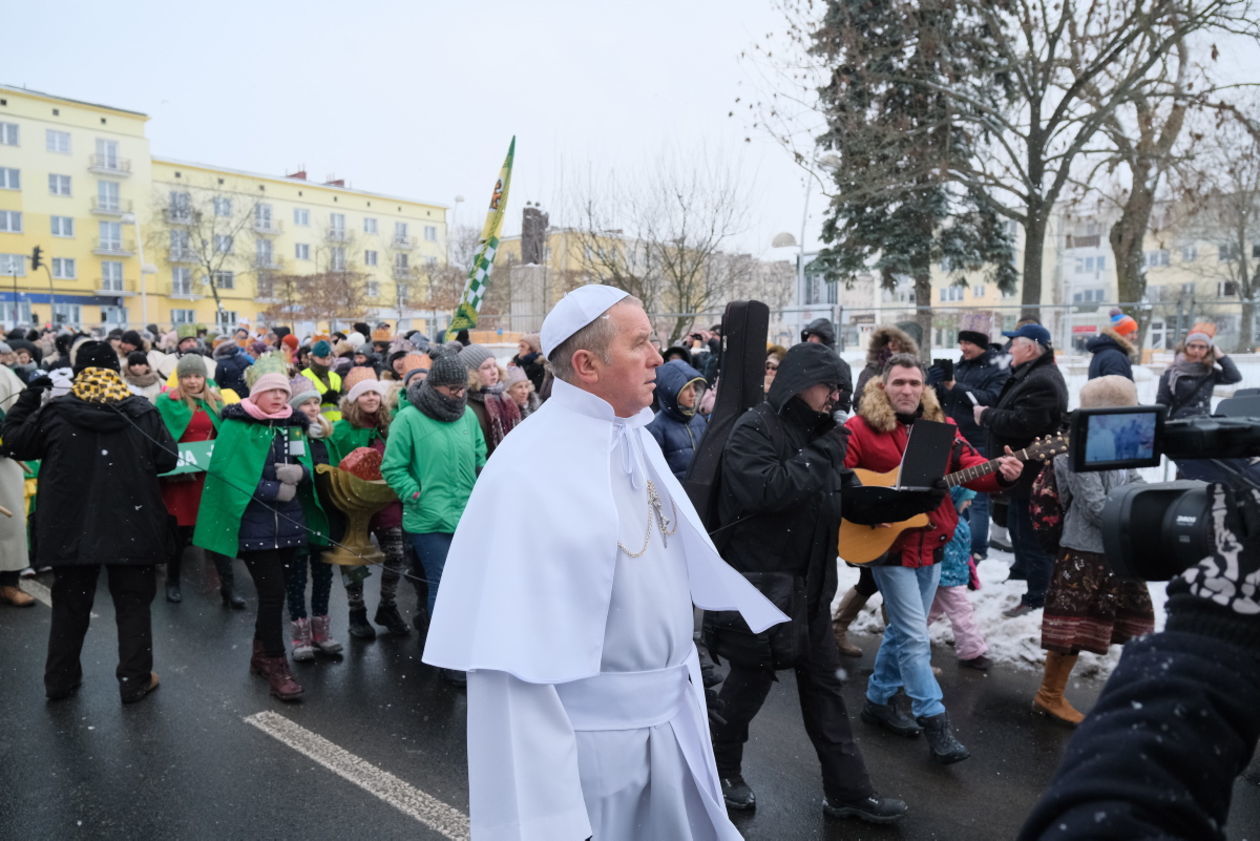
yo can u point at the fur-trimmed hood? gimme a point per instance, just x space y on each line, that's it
877 410
1107 336
877 348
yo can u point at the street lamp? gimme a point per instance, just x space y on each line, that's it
451 226
145 268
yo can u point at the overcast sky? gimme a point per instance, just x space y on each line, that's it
420 99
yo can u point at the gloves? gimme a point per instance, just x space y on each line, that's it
289 474
1230 576
286 492
39 384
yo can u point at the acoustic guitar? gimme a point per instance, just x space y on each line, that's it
859 544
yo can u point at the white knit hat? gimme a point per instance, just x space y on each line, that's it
364 386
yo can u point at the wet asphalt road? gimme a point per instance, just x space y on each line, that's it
184 763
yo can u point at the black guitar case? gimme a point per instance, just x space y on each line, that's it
745 326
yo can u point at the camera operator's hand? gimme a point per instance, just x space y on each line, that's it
1230 576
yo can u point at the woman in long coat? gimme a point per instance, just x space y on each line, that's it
13 553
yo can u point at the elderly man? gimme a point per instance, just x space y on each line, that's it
908 574
586 712
1032 404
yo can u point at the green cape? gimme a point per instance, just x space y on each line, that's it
176 414
240 451
346 437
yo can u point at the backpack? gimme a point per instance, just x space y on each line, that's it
1045 508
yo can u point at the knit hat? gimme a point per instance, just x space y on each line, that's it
290 341
1201 332
137 357
1122 323
321 348
4 348
190 364
363 386
93 354
1109 392
473 355
356 339
267 382
534 341
516 374
131 337
973 336
412 374
448 370
301 389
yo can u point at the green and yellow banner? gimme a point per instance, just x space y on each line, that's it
479 273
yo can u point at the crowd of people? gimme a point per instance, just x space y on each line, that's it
432 414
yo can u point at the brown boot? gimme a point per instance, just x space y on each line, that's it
280 679
1049 700
14 596
850 606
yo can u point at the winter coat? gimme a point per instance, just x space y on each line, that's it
232 363
246 451
877 441
346 438
1033 403
984 377
821 327
497 414
955 569
13 545
98 500
1192 396
1082 496
676 431
1113 354
533 366
878 352
440 461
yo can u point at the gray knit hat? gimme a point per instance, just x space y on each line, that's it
189 364
473 355
447 370
303 389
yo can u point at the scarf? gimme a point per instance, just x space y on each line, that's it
502 412
142 380
99 385
1183 367
436 405
251 409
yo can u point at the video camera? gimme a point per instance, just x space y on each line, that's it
1156 531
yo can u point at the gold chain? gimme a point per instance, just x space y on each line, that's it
665 524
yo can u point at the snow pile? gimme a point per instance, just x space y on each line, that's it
1014 641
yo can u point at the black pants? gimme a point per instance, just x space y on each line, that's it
822 707
73 591
866 586
269 568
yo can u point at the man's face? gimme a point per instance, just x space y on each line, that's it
970 350
125 347
814 338
1022 350
821 397
321 361
138 370
628 379
904 387
185 345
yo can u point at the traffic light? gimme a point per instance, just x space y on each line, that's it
37 258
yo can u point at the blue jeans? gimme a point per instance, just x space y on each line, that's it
905 654
978 518
1037 563
431 549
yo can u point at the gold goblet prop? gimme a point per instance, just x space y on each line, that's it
358 499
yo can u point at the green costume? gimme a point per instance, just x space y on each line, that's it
241 450
176 414
346 437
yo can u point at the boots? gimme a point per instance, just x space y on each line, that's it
388 616
173 593
14 596
359 626
1049 700
276 672
321 637
945 747
850 606
227 581
303 648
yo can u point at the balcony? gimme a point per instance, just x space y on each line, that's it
179 215
337 235
110 207
403 242
111 248
182 255
184 291
110 165
267 227
266 262
401 273
108 286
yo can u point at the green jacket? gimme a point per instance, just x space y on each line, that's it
241 452
440 460
176 414
346 437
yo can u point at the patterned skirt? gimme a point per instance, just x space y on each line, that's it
1090 608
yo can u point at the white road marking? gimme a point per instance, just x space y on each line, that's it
403 796
44 596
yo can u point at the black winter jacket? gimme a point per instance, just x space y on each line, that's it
1033 403
532 365
229 370
677 433
267 523
98 500
984 377
1110 356
1192 396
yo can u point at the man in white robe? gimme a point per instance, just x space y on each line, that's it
586 711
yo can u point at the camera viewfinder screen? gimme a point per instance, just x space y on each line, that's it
1126 437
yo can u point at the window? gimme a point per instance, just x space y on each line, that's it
222 243
114 315
265 285
107 153
222 206
369 258
111 236
181 284
337 258
372 289
57 141
58 185
8 134
952 293
13 265
979 290
302 251
180 206
179 244
183 316
1157 258
1226 289
262 252
400 262
262 216
430 233
63 226
227 320
301 216
112 275
63 268
432 262
369 225
1189 254
10 221
107 196
10 179
337 225
66 313
400 231
223 280
1087 296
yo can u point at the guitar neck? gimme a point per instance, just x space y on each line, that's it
976 471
